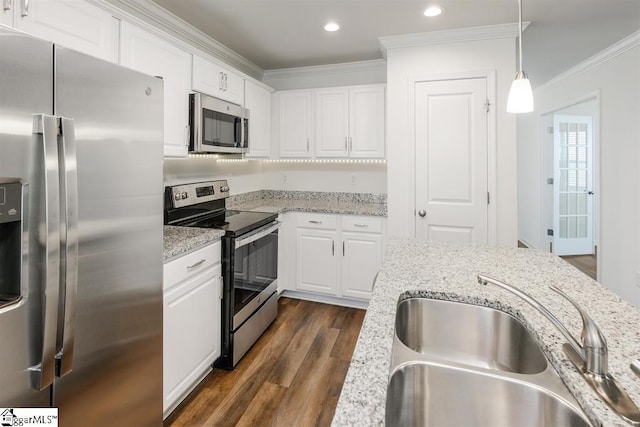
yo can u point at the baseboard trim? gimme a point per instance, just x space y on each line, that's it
325 299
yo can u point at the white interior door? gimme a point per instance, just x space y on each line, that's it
451 160
573 185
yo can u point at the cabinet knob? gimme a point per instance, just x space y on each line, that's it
422 213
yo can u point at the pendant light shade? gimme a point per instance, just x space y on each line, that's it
520 96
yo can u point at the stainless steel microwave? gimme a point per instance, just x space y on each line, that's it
217 126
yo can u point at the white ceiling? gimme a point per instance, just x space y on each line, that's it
277 34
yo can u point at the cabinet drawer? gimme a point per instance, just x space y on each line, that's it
321 221
191 264
369 224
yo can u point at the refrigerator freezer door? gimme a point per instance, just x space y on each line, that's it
116 365
26 89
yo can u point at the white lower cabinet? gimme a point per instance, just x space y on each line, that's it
362 256
192 294
316 263
338 255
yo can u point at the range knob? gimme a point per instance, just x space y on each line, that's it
177 196
224 189
184 195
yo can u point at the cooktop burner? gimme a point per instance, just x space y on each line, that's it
233 222
203 205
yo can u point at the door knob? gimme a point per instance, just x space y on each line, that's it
590 192
422 213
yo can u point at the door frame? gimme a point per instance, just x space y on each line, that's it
490 77
597 96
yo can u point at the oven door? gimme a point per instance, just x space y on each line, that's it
255 271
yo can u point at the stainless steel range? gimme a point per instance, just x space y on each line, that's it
249 261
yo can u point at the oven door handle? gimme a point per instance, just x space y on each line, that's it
268 229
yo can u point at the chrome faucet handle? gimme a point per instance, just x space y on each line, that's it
594 344
635 367
575 345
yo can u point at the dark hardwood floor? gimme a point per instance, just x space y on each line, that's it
292 376
585 263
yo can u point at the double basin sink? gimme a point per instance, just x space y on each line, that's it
456 364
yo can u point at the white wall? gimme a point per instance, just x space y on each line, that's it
424 61
243 176
342 177
617 78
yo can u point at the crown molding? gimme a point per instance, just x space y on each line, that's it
317 70
485 32
153 17
609 53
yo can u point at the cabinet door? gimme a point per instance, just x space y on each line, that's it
316 261
233 87
362 257
211 78
296 123
332 122
208 77
6 12
366 121
75 24
152 55
191 338
258 100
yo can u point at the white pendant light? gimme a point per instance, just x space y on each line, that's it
520 96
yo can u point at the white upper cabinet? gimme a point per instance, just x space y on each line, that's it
296 123
217 81
75 24
367 121
339 122
332 122
350 122
147 53
258 100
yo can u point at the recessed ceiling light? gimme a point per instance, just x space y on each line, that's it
433 11
331 26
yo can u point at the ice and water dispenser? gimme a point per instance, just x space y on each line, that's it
11 240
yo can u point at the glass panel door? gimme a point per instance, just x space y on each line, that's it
573 177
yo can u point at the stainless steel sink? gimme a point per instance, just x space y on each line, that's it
457 364
468 334
431 395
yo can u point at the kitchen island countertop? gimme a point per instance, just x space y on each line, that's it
448 271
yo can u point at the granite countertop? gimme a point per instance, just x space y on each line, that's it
181 240
448 271
319 202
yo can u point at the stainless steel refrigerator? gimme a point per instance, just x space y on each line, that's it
80 235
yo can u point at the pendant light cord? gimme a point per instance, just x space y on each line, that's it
520 31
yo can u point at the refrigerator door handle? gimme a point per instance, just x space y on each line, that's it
42 374
69 247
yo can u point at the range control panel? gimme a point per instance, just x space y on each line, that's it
10 201
199 192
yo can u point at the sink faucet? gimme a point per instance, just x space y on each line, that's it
590 358
593 350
